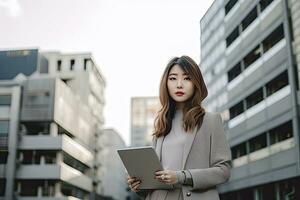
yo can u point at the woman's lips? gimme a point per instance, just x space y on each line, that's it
179 94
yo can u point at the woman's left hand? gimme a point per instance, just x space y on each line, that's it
166 176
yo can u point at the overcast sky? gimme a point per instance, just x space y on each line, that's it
131 40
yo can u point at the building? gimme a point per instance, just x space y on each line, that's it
250 61
112 169
49 144
143 113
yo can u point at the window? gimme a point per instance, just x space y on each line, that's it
234 72
72 63
69 160
252 56
284 191
287 190
29 188
230 5
34 157
48 189
59 65
239 151
86 60
49 157
5 100
254 98
236 110
249 18
4 128
273 38
232 36
3 156
70 190
268 191
258 142
281 132
3 143
36 128
26 156
2 186
264 4
277 83
37 99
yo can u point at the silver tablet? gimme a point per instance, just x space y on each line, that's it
142 163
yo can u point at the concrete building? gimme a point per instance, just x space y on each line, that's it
250 62
143 113
113 172
49 144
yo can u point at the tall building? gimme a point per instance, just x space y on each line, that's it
50 121
250 61
143 113
112 170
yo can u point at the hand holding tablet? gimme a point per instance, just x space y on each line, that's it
142 163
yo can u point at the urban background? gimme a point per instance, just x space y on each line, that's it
53 144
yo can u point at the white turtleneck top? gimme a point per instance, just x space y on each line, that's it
173 144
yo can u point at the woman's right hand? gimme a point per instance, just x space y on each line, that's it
133 183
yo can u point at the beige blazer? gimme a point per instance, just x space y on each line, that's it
207 156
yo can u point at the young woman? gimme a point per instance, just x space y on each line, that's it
189 142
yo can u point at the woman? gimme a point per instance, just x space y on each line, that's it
189 142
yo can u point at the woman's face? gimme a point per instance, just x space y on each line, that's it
180 86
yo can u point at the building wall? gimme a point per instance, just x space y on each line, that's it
253 92
9 137
143 113
295 20
55 153
18 61
113 182
213 61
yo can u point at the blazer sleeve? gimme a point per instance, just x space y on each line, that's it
220 160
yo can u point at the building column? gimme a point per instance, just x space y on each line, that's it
12 142
295 13
59 157
292 72
40 191
42 160
57 189
53 129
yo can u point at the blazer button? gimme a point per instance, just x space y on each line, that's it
188 194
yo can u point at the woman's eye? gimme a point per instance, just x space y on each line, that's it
172 78
187 78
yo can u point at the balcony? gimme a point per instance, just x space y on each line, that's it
266 153
61 142
268 102
264 20
55 172
260 68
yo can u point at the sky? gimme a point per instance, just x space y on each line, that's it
130 40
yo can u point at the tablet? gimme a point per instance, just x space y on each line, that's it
142 163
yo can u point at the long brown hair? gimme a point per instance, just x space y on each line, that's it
193 112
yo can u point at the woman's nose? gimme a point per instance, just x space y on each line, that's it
179 84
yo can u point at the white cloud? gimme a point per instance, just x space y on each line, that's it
13 7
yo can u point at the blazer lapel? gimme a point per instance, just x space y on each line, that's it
158 146
189 142
187 146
